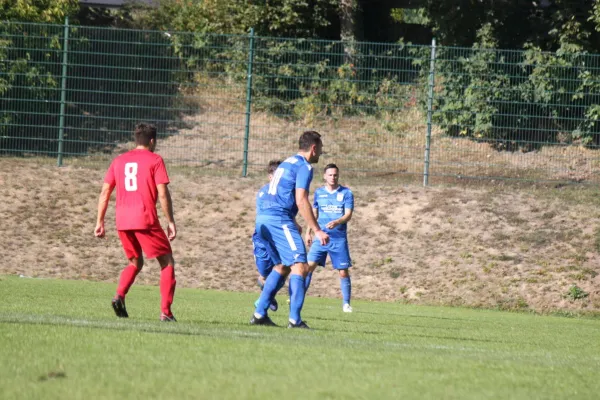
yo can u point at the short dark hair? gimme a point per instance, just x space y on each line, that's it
273 164
307 139
144 133
330 166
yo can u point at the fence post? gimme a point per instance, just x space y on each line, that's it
248 102
63 94
429 113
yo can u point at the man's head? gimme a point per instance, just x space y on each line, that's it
311 145
273 165
331 174
145 135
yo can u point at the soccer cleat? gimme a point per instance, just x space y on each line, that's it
265 321
347 308
301 325
273 306
118 304
166 318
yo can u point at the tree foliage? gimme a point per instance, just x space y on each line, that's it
531 96
43 11
282 18
547 91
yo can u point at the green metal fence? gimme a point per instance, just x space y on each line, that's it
231 103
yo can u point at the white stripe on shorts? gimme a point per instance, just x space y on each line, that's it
288 236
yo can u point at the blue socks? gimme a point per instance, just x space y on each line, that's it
297 285
346 286
306 285
307 281
279 286
268 292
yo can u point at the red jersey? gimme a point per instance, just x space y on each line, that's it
136 174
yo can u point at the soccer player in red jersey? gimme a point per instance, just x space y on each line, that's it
140 177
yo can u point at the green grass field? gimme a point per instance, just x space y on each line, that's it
60 340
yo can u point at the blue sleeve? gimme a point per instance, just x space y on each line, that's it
349 200
315 199
304 176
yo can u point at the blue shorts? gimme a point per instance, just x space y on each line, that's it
264 264
282 240
338 252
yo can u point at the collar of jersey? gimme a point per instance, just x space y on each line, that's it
336 189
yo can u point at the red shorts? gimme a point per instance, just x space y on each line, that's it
153 242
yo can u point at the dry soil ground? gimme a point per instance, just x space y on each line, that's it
487 246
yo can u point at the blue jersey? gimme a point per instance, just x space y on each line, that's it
331 206
262 201
261 204
279 200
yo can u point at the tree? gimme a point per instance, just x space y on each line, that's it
280 18
43 11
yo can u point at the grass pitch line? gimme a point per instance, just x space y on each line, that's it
148 327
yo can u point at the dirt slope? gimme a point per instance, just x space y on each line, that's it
491 247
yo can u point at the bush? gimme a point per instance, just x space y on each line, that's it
576 293
518 98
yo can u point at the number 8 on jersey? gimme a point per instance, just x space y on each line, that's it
131 176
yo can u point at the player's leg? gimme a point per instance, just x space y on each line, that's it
261 260
290 248
155 244
285 242
273 283
167 286
298 289
133 252
264 266
261 281
340 259
274 279
283 274
346 287
317 255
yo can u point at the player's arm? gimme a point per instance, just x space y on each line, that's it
309 233
102 207
305 209
342 220
164 196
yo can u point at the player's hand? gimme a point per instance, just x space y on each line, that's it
332 224
171 231
323 237
99 230
309 239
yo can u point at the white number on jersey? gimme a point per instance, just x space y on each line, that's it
131 176
275 181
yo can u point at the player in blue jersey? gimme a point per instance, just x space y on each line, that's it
276 228
333 205
264 264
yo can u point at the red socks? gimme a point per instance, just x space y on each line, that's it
127 278
167 289
167 285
